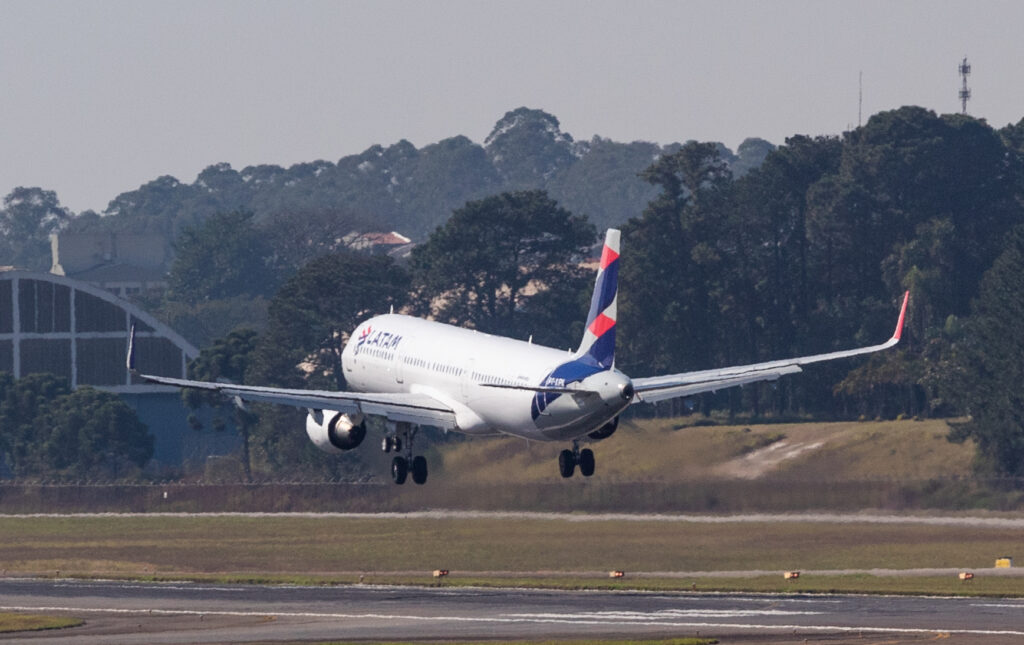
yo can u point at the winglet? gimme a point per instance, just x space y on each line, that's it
903 315
130 361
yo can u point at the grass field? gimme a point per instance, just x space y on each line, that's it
33 622
541 552
667 450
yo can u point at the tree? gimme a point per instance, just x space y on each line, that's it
988 365
28 217
315 311
226 256
95 434
24 406
51 432
479 269
227 359
528 148
674 262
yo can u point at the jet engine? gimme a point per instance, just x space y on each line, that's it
605 431
335 432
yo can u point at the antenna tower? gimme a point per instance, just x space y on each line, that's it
860 95
965 92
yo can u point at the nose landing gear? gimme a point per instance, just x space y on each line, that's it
569 459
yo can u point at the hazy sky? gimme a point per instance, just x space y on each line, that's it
100 97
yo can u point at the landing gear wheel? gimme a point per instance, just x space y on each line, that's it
385 444
586 462
399 470
566 463
419 469
396 444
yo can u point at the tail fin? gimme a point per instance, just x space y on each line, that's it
598 345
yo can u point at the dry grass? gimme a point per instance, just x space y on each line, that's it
341 546
654 450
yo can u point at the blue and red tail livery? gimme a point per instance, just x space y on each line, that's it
598 346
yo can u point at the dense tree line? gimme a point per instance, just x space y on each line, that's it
807 250
396 187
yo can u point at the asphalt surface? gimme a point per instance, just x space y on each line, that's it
119 612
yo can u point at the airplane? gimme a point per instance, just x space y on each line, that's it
413 372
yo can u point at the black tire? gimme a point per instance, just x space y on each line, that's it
385 444
586 462
566 463
396 444
419 469
399 470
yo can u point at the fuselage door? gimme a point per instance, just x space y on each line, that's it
467 379
399 363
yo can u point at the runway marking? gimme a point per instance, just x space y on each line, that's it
583 619
833 518
672 613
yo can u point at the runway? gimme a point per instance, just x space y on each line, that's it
122 613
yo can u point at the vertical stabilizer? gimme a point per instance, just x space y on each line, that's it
598 346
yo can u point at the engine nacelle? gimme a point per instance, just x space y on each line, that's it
335 432
605 431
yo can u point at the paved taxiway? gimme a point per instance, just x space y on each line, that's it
118 612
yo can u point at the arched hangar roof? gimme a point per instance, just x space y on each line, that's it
51 323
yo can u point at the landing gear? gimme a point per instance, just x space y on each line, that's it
402 435
419 469
586 462
566 463
569 459
399 470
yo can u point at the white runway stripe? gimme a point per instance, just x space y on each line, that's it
652 620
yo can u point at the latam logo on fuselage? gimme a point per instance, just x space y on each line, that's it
379 339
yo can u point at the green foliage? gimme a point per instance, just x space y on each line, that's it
988 365
480 267
528 147
50 432
27 218
227 359
202 323
314 312
225 256
674 256
95 434
399 187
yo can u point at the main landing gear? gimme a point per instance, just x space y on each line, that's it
569 459
401 466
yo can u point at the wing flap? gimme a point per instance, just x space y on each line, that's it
652 390
418 408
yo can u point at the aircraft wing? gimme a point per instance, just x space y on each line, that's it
419 409
659 388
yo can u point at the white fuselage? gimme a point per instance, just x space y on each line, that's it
397 353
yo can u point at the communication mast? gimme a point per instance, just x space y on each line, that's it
965 92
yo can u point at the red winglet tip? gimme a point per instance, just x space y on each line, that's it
903 314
